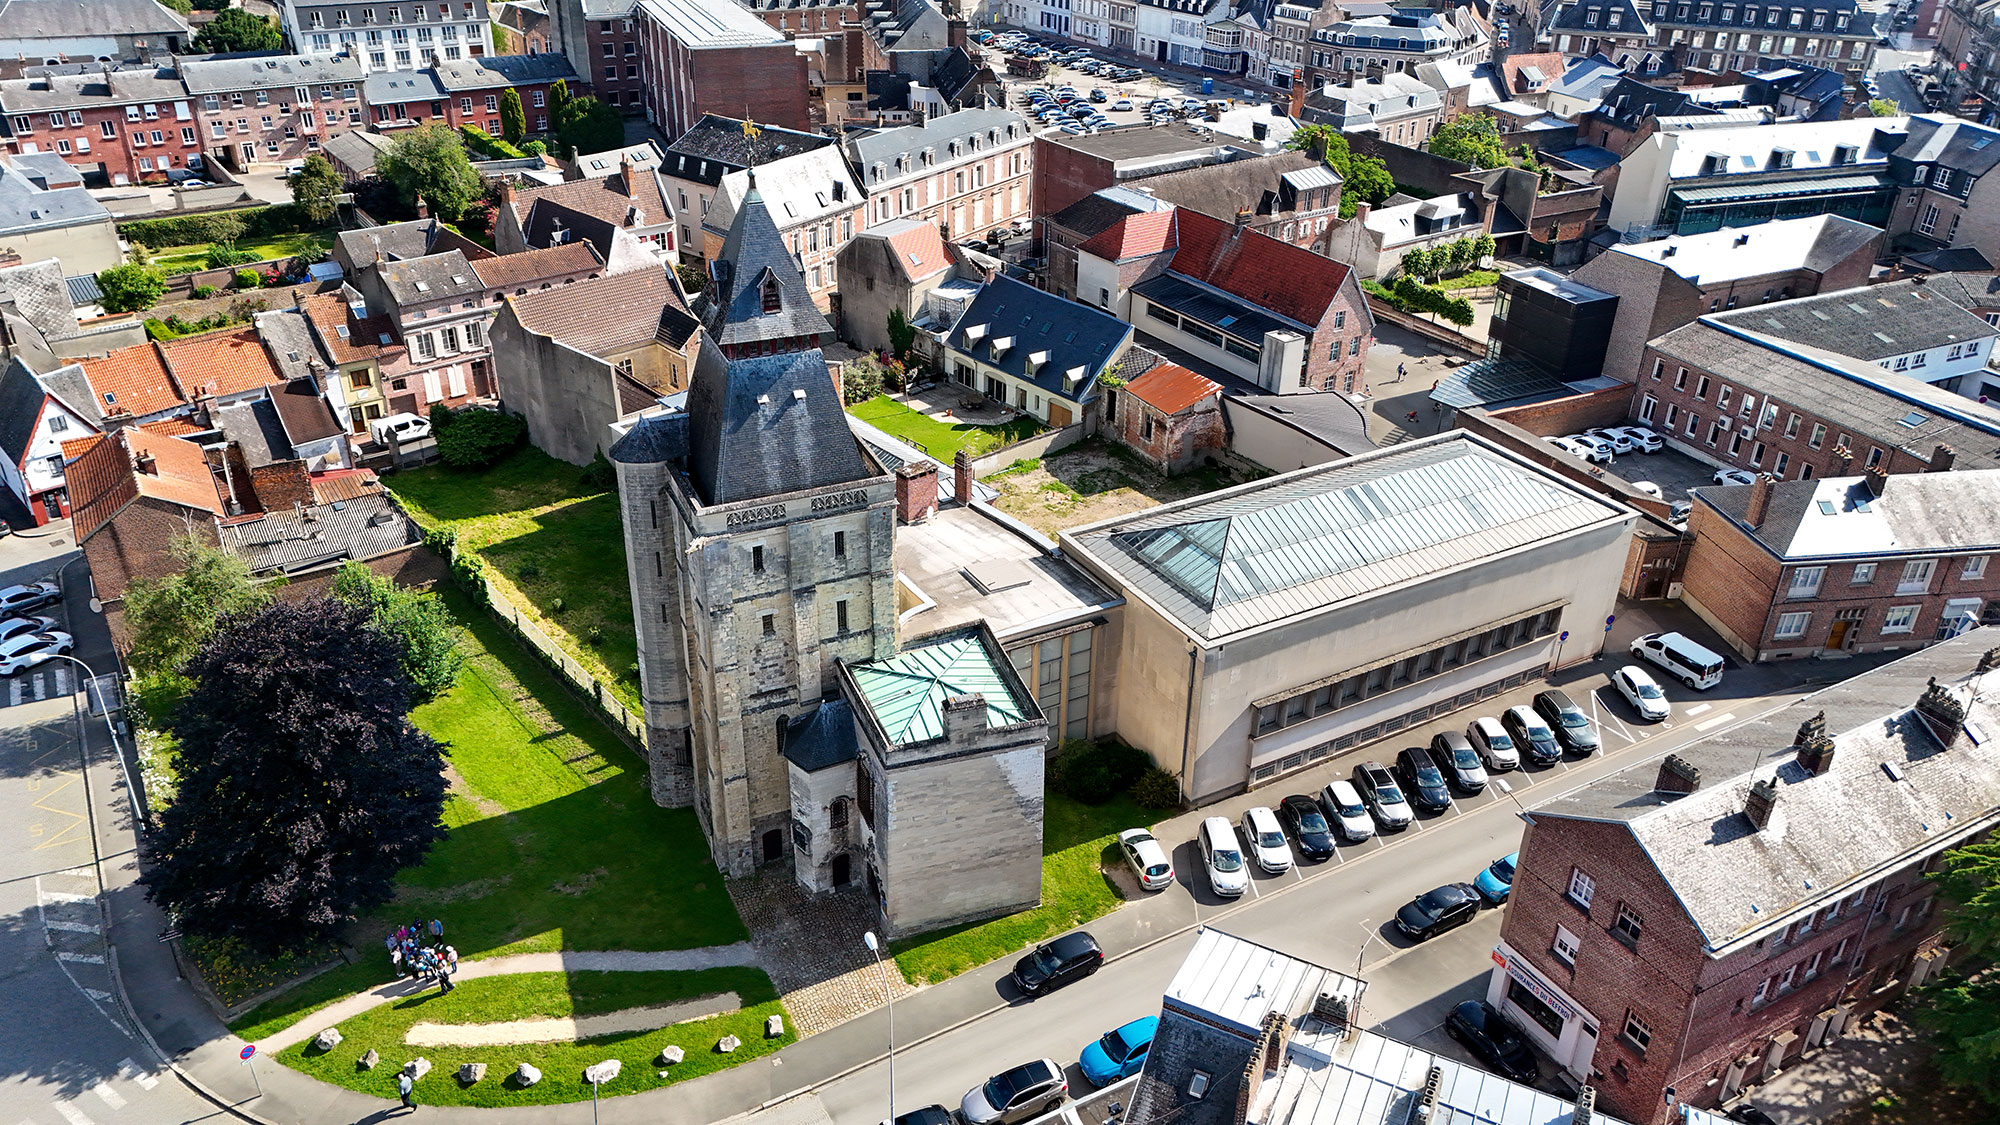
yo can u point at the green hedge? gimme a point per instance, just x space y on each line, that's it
219 226
490 147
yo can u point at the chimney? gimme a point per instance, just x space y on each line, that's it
1942 458
1264 1060
1586 1107
1814 748
1298 103
916 492
1876 478
1942 712
965 717
1677 776
625 174
1760 500
1242 218
423 209
1988 662
507 193
1763 799
1361 212
144 463
961 477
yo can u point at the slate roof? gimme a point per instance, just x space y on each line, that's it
71 387
730 306
1634 20
385 87
700 25
36 292
1588 77
1171 388
1095 212
644 156
102 479
1222 190
1010 325
304 414
1870 323
822 737
1367 101
64 19
292 540
1950 142
973 129
1842 517
715 145
25 207
254 426
653 439
288 338
1629 102
260 72
21 398
810 187
1330 417
1288 280
604 198
604 314
1294 544
1975 289
93 89
1861 23
433 277
905 693
356 149
46 170
1830 834
395 241
530 267
494 72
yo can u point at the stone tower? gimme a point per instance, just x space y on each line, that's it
760 538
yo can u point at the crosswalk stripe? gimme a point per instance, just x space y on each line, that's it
72 927
66 896
86 958
72 1114
129 1069
111 1097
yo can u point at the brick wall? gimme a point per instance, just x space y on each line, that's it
1177 441
1608 407
1729 580
281 484
1063 175
133 545
1346 320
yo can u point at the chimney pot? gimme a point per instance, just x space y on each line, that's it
1677 776
1942 712
1760 500
916 492
1942 458
1876 478
1763 800
1814 748
961 477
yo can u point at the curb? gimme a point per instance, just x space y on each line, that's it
180 1072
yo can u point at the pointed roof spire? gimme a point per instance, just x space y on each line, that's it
735 307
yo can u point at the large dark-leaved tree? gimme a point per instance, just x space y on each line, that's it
1963 1012
303 787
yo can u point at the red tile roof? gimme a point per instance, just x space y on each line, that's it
1288 280
134 381
1171 388
106 477
920 250
171 427
1147 232
344 484
531 267
221 363
345 338
1550 64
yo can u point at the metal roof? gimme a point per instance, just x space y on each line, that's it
906 692
1492 382
1234 983
1780 189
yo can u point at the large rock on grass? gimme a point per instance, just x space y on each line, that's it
327 1040
471 1072
369 1060
728 1044
527 1075
774 1027
600 1073
417 1067
671 1055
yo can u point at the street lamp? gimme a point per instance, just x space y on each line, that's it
875 947
138 822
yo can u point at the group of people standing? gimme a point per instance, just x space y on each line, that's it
418 951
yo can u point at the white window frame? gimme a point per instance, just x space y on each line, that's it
1582 888
1791 626
1565 945
1901 619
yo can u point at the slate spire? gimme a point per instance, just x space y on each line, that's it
756 300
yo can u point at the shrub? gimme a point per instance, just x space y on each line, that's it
157 694
595 637
224 254
203 292
470 573
488 147
1095 772
440 418
477 438
219 226
534 148
528 571
130 288
861 379
599 476
556 606
1156 789
248 279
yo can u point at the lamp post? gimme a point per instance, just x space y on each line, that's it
875 947
110 728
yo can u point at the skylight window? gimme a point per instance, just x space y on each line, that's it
1912 420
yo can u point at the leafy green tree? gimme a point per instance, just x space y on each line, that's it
1883 107
169 618
1963 1013
478 437
1364 179
534 148
130 288
315 187
902 334
1483 246
430 161
304 788
1417 263
417 619
587 125
558 97
1472 139
513 119
234 29
861 379
181 6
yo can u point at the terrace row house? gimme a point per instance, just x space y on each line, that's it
389 36
969 171
125 126
257 110
465 94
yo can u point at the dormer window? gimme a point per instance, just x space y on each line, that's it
771 298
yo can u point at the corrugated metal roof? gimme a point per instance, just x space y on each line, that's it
1775 189
1234 982
906 692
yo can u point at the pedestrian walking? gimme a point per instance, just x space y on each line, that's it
451 958
437 928
406 1089
1436 407
1411 417
1400 370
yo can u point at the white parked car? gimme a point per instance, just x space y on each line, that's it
1223 856
1601 451
1734 476
25 650
400 429
1147 859
1573 448
1647 440
1642 691
1649 488
1494 745
1267 840
1343 807
1617 439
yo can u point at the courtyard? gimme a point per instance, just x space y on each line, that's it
1091 481
945 419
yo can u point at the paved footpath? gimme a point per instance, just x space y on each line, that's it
614 961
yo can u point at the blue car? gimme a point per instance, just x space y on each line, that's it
1119 1053
1498 879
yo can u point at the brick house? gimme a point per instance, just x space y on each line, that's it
133 491
522 28
466 92
1844 564
705 58
601 38
1703 922
969 171
258 110
165 379
1170 416
117 126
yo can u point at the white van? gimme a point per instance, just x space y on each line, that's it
1686 661
399 429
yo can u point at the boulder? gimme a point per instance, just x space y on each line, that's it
417 1067
600 1073
471 1072
671 1055
327 1040
774 1027
728 1044
368 1061
527 1075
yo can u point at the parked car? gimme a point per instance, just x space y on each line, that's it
1266 840
929 1115
1384 799
1531 735
1028 1090
1749 1114
1302 816
1053 964
29 596
1494 1041
1494 746
1422 781
22 652
1342 804
399 429
1569 722
1683 658
1680 510
1122 105
1642 692
1573 448
1147 858
1645 439
1600 451
1118 1053
1099 96
1734 476
15 626
1617 439
1223 857
1436 911
1497 881
1649 488
1456 758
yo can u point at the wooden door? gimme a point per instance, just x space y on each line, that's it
1838 635
1058 414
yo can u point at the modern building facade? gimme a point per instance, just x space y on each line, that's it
1692 179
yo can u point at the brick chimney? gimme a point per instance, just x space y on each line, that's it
1265 1059
1763 800
1361 212
423 209
143 462
625 174
1298 103
1942 458
1877 478
1760 500
964 716
916 492
1942 712
1677 776
1814 750
961 477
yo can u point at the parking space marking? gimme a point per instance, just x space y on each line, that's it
1699 708
1710 724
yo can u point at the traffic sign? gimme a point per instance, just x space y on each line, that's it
1608 621
248 1050
1563 636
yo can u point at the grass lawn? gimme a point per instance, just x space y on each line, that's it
1076 844
1471 279
545 537
941 440
555 841
526 995
187 259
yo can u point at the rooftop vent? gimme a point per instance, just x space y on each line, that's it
1425 1103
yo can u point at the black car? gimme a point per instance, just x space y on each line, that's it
1433 912
1422 781
1069 957
929 1115
1569 722
1497 1043
1307 824
1533 736
1750 1115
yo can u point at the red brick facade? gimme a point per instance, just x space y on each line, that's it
128 141
613 71
766 83
134 545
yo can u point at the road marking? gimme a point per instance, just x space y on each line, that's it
96 994
72 1114
1699 708
1709 724
66 896
71 927
129 1069
86 958
111 1097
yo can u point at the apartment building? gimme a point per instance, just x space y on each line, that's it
1399 43
969 171
698 58
601 39
389 36
1721 35
104 31
259 110
117 127
693 165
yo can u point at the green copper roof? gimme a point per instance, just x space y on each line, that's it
907 691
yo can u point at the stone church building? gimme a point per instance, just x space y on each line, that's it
781 702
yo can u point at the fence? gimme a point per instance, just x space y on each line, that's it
1041 445
586 686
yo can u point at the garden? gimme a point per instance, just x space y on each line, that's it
195 256
939 438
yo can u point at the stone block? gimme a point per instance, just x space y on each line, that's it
327 1040
600 1073
368 1061
417 1067
728 1044
471 1072
774 1027
671 1055
526 1075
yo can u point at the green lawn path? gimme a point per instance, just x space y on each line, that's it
941 440
172 260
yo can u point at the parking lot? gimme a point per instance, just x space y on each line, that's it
1140 91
